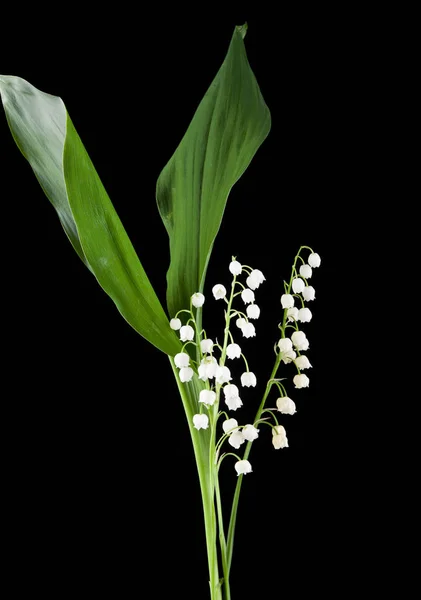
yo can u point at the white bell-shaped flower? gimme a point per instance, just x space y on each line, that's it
253 311
292 314
206 346
287 300
300 341
247 296
255 278
219 291
222 374
235 267
285 347
285 344
314 260
298 285
207 397
243 467
175 324
304 315
229 425
230 390
279 439
198 300
309 293
207 368
182 359
186 374
201 421
301 381
186 333
236 439
250 433
233 351
233 402
285 405
305 271
248 379
240 322
302 362
248 330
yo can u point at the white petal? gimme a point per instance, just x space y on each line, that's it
229 424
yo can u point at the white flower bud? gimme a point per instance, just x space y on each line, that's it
181 360
250 433
253 311
314 260
236 439
198 300
208 397
229 424
243 467
305 271
287 300
285 405
304 315
175 324
240 322
297 285
292 314
300 341
235 267
186 374
248 330
247 296
248 379
233 351
279 439
206 346
301 381
219 291
222 374
309 293
201 421
302 362
285 344
186 333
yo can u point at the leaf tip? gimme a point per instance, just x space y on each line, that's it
242 29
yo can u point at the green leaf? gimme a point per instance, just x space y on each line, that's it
228 127
44 133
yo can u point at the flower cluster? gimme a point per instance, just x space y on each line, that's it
289 349
216 375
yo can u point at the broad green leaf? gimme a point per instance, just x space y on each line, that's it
44 133
228 127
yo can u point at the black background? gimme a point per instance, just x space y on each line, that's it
102 492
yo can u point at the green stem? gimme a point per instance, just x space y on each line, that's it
201 452
234 509
222 541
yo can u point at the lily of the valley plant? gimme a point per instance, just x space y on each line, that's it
228 127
